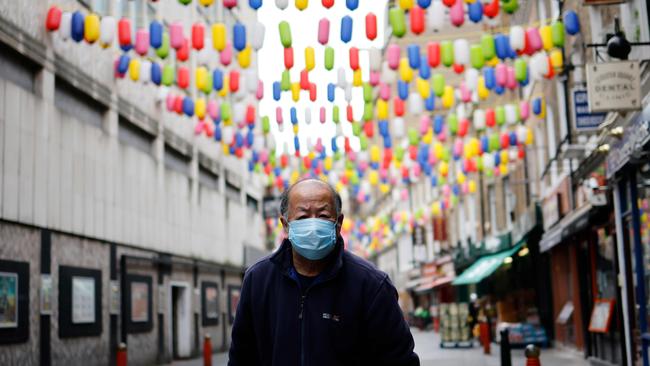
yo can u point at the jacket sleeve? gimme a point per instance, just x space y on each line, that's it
243 347
389 337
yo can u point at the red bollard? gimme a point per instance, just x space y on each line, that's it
120 358
532 355
485 337
207 351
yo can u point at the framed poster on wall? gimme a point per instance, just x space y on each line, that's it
80 302
601 315
46 294
14 302
209 303
234 293
139 303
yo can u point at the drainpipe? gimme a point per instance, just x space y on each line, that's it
622 279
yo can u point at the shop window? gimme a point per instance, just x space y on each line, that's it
78 104
99 7
17 69
132 135
252 205
232 192
176 161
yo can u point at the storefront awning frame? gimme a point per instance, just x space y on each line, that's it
485 266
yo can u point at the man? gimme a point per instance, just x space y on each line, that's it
313 303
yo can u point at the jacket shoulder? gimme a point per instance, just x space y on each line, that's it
362 268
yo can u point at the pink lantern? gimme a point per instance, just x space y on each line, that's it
259 94
393 55
384 91
511 80
169 102
322 115
524 110
374 78
176 37
501 72
278 115
141 42
457 13
213 110
533 39
225 56
323 31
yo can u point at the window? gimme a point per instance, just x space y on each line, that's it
96 6
232 192
176 161
130 134
17 69
78 104
208 178
492 202
252 204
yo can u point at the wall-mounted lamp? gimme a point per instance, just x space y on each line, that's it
617 132
507 260
604 148
523 252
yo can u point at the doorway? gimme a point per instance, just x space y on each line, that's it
180 322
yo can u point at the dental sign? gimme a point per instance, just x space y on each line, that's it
613 86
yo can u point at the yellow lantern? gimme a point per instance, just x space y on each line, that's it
448 97
201 77
471 186
428 137
295 91
373 177
382 109
503 169
199 108
219 36
310 60
483 92
356 78
244 57
556 59
405 71
302 4
224 90
406 4
547 38
422 87
134 69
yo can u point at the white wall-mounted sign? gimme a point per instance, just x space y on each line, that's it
614 86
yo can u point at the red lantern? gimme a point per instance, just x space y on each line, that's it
306 162
124 32
312 92
491 10
371 26
505 140
183 53
369 129
349 113
304 79
346 145
398 105
328 3
229 3
458 68
198 36
463 127
53 20
433 54
178 104
417 19
551 70
354 58
490 117
250 115
284 160
183 77
450 3
413 152
234 81
288 58
521 152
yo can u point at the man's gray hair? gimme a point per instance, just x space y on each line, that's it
284 198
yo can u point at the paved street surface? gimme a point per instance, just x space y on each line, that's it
428 348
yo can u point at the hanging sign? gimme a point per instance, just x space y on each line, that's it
636 135
583 119
613 86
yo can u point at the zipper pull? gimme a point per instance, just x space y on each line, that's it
302 306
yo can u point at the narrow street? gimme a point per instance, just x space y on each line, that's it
427 347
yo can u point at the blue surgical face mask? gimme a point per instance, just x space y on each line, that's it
313 238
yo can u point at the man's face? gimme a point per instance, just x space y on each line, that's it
311 199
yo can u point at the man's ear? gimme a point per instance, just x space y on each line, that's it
339 224
285 224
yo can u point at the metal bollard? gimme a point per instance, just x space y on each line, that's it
506 357
484 328
120 357
532 355
207 350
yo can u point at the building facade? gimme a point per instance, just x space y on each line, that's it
117 222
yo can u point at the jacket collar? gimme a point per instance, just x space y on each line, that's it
283 259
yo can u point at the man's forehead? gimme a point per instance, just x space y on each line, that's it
311 190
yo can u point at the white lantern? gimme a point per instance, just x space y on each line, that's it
388 75
258 32
511 114
374 54
522 132
488 161
340 78
308 115
416 104
398 127
252 80
517 38
348 93
66 25
145 71
461 52
107 30
479 119
282 4
239 112
228 134
436 16
471 79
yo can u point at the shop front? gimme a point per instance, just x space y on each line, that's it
628 168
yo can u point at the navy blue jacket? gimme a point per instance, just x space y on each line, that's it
349 315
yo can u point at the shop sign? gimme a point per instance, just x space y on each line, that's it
583 119
439 229
602 2
614 86
635 137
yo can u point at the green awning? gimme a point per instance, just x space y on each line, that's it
484 267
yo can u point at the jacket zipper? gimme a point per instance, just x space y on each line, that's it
303 297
